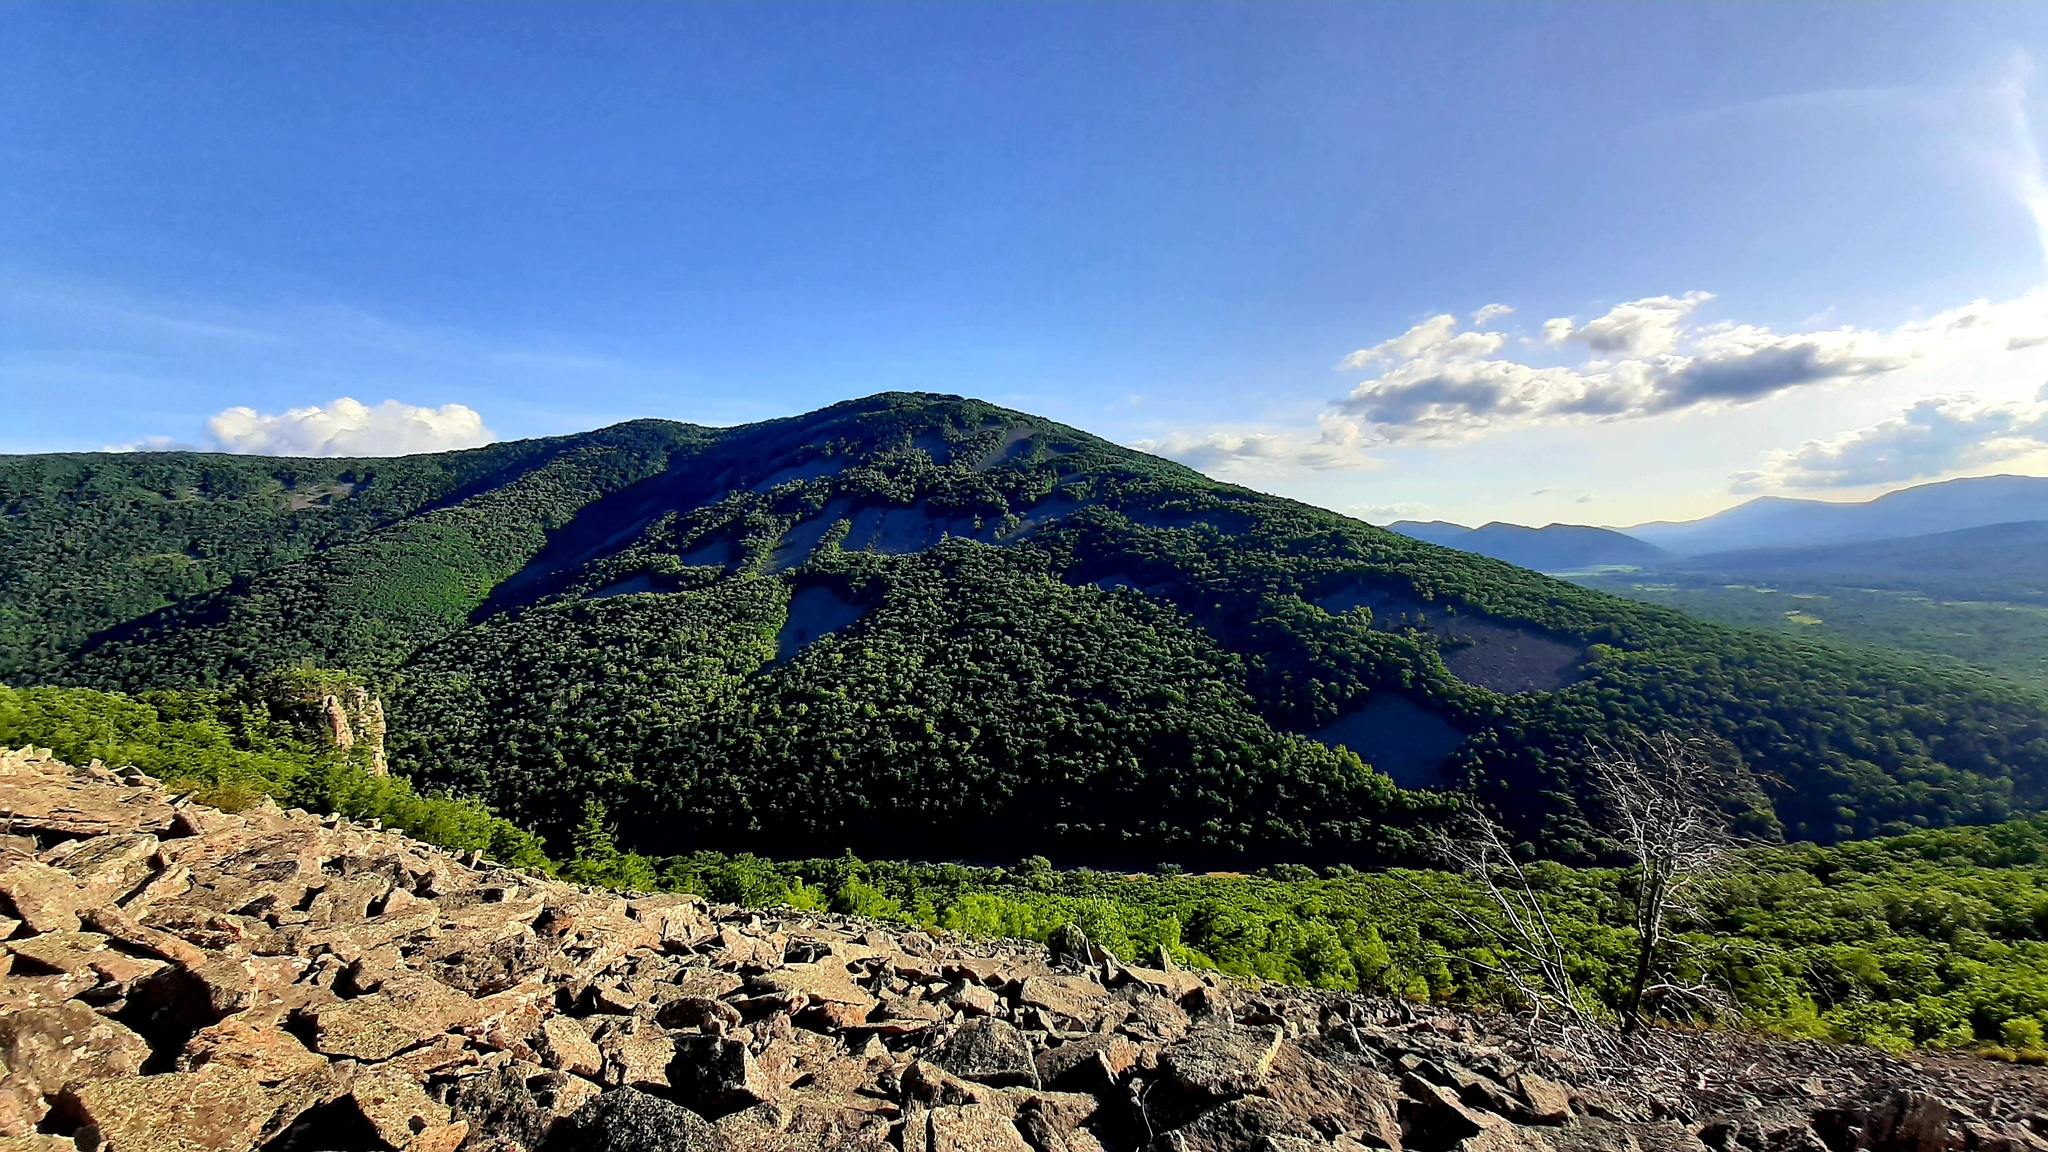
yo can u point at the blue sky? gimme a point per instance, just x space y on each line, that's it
1747 248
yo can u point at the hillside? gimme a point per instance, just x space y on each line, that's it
924 626
1551 548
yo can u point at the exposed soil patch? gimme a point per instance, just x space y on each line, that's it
1506 658
1497 655
814 612
1014 445
1393 608
317 495
808 470
802 539
1117 580
631 584
717 552
1398 737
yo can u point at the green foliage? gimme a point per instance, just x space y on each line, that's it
985 703
597 859
1933 939
233 748
2001 637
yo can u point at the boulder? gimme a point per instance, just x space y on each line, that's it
564 1044
1071 1000
629 1120
1238 1126
405 1010
990 1051
44 1050
716 1075
216 1109
637 1053
45 899
270 1054
1091 1064
971 1128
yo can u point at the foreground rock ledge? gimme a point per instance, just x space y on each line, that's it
175 978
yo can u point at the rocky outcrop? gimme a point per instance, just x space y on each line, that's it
177 978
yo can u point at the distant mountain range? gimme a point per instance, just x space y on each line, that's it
1984 537
1777 522
2006 562
1551 548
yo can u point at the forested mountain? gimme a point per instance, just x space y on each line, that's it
1551 548
915 625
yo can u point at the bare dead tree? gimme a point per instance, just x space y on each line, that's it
1660 796
1659 793
1533 961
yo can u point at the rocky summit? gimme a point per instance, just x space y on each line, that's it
177 977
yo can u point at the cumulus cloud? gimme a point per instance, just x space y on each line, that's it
1337 444
1490 313
348 427
1938 435
1437 381
1646 327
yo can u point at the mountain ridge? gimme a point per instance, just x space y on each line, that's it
1778 521
924 615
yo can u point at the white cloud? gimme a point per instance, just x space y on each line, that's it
1647 327
1384 514
1336 445
1439 383
347 427
1490 313
1935 436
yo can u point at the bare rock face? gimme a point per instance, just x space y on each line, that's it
178 978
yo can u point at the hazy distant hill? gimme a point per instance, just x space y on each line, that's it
1551 548
2006 562
1778 522
917 625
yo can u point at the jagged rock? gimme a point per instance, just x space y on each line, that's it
969 1128
1093 1064
717 1075
1072 1000
988 1050
406 1010
973 999
1239 1124
42 1050
46 899
60 952
220 1109
1216 1063
317 984
637 1054
564 1044
1543 1101
629 1120
1434 1117
271 1054
1069 946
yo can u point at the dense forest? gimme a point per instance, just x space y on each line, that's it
925 626
1937 938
